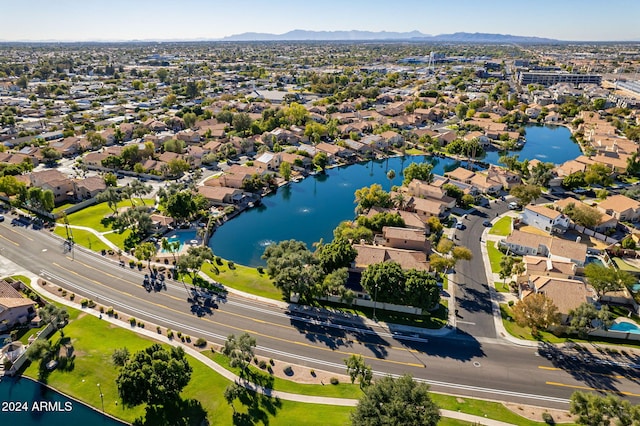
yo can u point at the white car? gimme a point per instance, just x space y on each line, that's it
513 205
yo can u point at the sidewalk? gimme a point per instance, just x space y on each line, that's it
309 399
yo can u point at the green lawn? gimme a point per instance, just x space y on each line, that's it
83 238
243 278
502 227
492 410
93 216
415 151
525 332
93 343
495 256
118 239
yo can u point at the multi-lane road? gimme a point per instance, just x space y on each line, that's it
470 361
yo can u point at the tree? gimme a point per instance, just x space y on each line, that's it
154 376
119 357
189 119
293 269
358 370
112 197
239 351
10 185
434 225
604 280
506 268
320 160
400 401
586 318
386 280
541 174
54 315
371 196
140 189
170 247
461 253
380 220
536 311
181 205
337 254
422 171
596 410
191 262
574 180
241 122
285 170
391 175
583 215
525 193
145 251
41 349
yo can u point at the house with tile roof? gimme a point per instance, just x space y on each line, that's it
566 294
545 219
620 207
15 309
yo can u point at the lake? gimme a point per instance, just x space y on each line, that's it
26 403
309 210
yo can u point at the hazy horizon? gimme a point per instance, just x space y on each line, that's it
187 20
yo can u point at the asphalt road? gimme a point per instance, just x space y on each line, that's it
467 363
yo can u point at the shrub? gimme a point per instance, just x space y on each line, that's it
101 309
271 361
140 324
548 418
288 370
510 303
255 360
334 381
231 265
200 342
132 263
218 260
262 364
312 372
132 321
179 334
72 296
110 311
169 334
91 303
84 303
260 270
159 330
59 288
64 293
187 338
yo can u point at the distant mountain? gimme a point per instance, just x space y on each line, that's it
304 35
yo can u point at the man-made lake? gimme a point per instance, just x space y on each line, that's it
309 210
549 144
26 403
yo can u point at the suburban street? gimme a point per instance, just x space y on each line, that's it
470 362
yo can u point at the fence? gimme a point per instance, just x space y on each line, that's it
42 334
592 233
622 335
379 305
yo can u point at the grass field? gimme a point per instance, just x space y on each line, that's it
494 256
83 238
93 343
502 227
93 216
243 278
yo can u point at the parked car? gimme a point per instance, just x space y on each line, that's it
513 205
460 226
487 223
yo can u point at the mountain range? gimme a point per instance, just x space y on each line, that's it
354 35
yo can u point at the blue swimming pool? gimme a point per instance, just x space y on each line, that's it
626 327
636 287
185 236
594 259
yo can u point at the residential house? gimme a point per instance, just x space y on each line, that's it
268 161
15 309
544 266
218 195
559 249
605 222
545 218
566 294
411 219
426 207
89 187
376 142
371 255
621 207
392 138
405 238
422 189
54 180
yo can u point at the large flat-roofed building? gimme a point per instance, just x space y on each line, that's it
548 78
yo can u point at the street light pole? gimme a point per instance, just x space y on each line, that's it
101 396
375 296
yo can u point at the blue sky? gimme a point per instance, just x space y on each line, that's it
68 20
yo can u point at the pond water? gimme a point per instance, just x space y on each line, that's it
309 210
26 403
549 144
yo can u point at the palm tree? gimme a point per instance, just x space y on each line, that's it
400 201
170 246
391 174
140 189
145 251
111 196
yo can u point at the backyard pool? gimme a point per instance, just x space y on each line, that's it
185 236
625 326
594 259
636 287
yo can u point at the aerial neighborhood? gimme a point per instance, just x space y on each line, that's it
504 189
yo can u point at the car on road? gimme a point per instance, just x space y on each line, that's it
460 226
513 205
486 223
1 218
